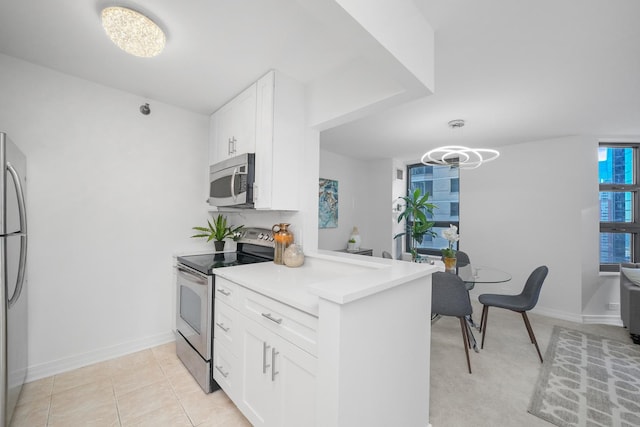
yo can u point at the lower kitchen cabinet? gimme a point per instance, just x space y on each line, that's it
279 380
270 379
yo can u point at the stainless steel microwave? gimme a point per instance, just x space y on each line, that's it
231 182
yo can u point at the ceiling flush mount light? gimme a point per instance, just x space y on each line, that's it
133 32
457 155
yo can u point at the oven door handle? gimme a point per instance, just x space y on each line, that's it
199 279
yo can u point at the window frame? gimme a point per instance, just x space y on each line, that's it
633 227
443 224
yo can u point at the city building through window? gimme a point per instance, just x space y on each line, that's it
619 204
443 185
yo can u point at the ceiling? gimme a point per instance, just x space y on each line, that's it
515 71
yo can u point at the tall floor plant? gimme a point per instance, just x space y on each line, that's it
417 209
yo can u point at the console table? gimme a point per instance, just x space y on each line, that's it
360 251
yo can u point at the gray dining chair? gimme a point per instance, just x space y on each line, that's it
520 303
386 254
449 297
462 259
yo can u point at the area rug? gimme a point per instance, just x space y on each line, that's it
588 380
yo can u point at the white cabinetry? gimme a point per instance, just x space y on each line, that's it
271 379
232 128
268 119
280 126
279 384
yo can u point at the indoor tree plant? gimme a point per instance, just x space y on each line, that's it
416 211
218 231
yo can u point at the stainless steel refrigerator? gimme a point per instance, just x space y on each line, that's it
13 289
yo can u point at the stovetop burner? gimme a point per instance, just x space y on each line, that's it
255 245
206 263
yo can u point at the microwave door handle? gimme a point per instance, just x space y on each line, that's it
233 184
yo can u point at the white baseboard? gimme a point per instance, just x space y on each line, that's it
602 319
48 369
562 315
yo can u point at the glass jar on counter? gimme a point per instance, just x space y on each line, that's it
293 256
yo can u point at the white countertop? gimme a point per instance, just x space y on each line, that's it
337 277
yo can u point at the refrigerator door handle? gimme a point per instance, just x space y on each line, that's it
23 238
21 270
20 193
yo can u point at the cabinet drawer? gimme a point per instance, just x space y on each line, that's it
293 325
226 328
227 291
226 370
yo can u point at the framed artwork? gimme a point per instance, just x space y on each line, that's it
328 203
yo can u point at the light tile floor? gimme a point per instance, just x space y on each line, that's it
147 388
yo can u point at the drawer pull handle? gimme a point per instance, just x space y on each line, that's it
274 353
270 317
224 374
224 292
264 357
221 326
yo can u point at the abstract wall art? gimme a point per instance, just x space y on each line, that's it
328 203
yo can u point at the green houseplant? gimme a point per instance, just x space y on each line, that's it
218 230
416 211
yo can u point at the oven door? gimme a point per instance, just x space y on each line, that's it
194 309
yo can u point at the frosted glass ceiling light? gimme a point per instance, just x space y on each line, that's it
133 32
457 155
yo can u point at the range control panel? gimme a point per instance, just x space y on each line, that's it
257 236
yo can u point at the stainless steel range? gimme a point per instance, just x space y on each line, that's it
195 300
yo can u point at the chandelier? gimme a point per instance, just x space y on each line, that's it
457 155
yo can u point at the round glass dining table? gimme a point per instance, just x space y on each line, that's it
474 273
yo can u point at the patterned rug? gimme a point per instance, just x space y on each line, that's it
588 380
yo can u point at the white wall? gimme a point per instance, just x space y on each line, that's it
378 188
535 206
366 190
112 194
353 193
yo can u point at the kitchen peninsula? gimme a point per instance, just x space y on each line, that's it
341 341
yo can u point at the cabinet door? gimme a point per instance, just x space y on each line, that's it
244 116
232 129
223 133
213 139
264 141
295 378
278 380
258 395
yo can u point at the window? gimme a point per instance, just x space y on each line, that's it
455 185
619 204
443 185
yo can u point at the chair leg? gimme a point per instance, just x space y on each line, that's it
465 340
483 323
531 334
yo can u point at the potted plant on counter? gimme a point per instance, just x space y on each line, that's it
218 231
416 209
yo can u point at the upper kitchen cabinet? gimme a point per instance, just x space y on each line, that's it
233 127
280 129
